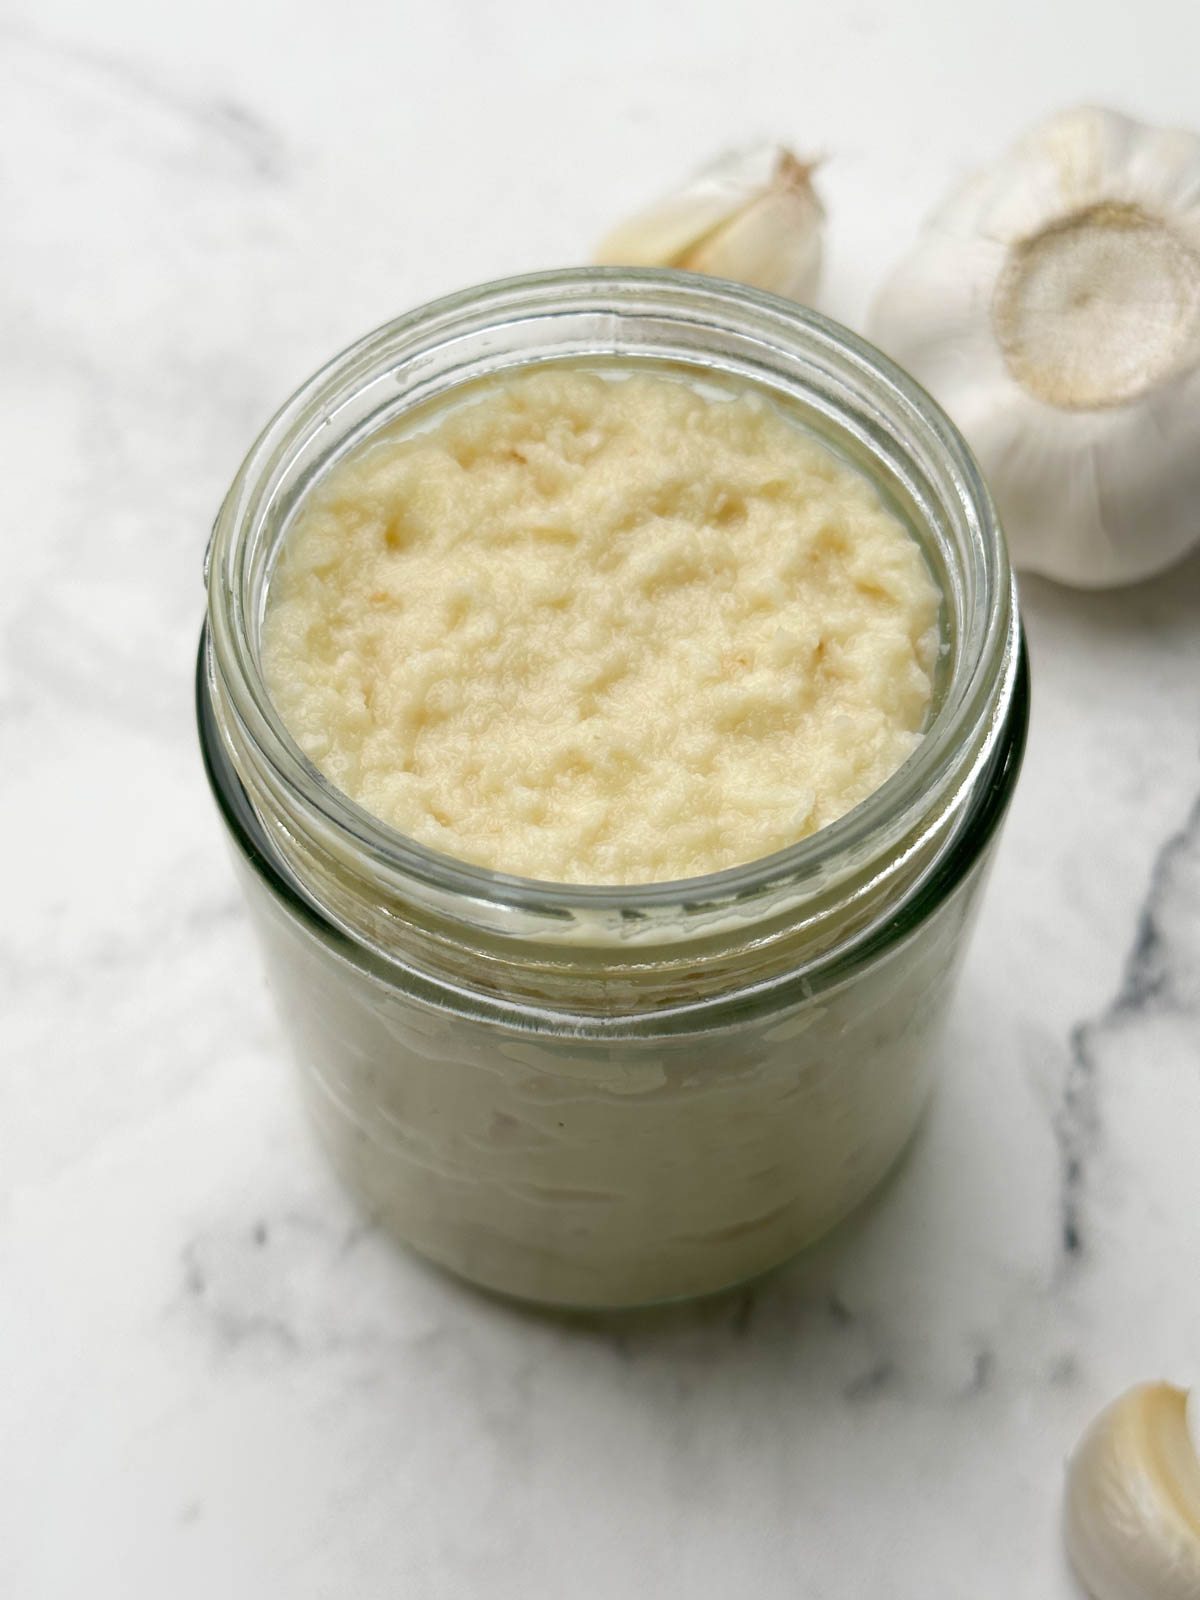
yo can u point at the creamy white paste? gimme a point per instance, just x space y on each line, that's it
602 630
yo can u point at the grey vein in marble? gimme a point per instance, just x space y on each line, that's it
228 120
1161 981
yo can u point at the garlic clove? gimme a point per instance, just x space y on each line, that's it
1053 307
1132 1510
774 243
753 216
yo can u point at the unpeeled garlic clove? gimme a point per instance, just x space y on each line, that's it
1132 1510
752 216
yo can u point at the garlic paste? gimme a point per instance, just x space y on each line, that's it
605 630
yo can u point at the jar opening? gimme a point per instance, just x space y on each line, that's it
847 393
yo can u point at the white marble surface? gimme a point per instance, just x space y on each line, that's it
213 1381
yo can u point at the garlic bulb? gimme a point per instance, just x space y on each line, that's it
1132 1520
1053 307
753 216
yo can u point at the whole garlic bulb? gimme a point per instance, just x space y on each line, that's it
1053 307
753 216
1132 1511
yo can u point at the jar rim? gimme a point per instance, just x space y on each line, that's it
953 747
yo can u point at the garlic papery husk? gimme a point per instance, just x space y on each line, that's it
1132 1515
753 216
1053 307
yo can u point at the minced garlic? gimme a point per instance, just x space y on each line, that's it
602 629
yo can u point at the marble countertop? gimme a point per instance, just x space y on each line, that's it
213 1379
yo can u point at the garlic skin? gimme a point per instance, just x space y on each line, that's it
1052 306
1132 1509
753 216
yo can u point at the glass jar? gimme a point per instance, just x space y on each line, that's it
616 1095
